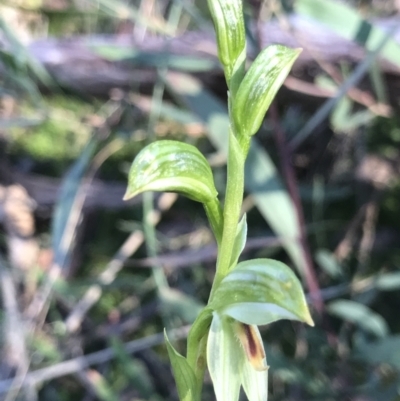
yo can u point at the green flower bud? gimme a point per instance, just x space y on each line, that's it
228 21
259 87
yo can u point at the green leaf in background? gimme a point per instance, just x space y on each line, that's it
172 166
259 87
328 262
262 179
228 21
184 376
388 281
261 291
347 22
134 369
385 350
177 303
360 315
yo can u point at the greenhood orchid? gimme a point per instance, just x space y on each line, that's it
253 293
225 336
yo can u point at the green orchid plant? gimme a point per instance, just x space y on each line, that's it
225 337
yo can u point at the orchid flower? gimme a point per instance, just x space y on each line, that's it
255 292
225 336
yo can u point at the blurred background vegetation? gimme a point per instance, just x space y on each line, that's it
88 282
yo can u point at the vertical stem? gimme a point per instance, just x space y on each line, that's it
233 204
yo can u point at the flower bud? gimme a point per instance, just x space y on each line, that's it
228 21
259 87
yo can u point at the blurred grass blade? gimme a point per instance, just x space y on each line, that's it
261 177
124 11
61 237
164 58
348 23
322 113
22 57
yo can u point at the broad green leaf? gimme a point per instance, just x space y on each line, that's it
259 87
360 315
261 291
240 240
184 376
172 166
228 21
225 359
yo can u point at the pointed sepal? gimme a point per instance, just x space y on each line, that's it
172 166
261 291
224 359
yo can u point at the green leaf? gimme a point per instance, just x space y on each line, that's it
360 315
261 291
240 240
172 166
228 21
259 87
184 376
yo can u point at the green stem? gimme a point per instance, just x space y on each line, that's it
232 207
